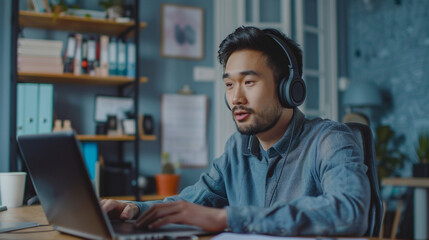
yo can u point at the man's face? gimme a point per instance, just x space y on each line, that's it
251 92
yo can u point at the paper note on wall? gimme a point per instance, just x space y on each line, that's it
184 128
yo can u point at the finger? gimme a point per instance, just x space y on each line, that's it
129 212
110 205
158 211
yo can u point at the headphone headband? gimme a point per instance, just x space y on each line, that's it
293 64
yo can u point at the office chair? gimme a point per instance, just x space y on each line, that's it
375 216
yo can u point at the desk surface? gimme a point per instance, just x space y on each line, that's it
406 182
35 214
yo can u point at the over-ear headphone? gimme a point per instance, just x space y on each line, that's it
291 89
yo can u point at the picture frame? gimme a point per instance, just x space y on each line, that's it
182 31
129 126
112 105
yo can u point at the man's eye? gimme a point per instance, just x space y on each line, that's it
249 82
228 84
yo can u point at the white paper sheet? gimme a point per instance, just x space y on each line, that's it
184 128
240 236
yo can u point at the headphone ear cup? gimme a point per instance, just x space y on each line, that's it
226 102
282 93
292 92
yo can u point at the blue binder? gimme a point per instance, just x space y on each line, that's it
28 106
90 154
46 98
34 108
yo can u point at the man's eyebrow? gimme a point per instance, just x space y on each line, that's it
243 73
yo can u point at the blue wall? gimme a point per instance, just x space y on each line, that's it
166 75
5 23
388 44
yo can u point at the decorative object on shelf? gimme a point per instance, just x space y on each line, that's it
182 33
114 128
67 125
129 126
389 157
186 90
62 125
58 125
421 168
113 8
147 124
101 128
167 182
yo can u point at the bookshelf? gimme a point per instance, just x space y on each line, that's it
49 21
75 24
70 78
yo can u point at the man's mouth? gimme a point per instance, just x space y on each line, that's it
241 115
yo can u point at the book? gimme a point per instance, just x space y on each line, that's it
69 54
122 58
38 51
104 55
77 70
84 64
113 49
41 69
40 43
92 55
131 59
39 60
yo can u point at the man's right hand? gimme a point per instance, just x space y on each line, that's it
119 210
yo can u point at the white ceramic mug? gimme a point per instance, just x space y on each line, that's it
12 186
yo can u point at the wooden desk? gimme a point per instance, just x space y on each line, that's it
421 198
34 214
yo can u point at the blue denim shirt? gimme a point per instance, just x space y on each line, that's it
311 182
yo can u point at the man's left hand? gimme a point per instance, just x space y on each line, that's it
181 212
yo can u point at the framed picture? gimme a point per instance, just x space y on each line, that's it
129 126
182 32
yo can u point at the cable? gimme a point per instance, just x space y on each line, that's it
284 162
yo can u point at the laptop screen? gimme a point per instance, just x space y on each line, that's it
57 169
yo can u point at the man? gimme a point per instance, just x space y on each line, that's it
281 173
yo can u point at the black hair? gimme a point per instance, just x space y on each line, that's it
256 39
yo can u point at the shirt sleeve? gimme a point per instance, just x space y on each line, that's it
341 209
208 191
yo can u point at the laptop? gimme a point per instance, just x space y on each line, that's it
57 169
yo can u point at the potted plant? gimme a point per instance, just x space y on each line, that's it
112 7
421 168
388 156
167 182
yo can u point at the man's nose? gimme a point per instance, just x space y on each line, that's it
239 97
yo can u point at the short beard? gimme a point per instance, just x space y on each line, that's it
257 126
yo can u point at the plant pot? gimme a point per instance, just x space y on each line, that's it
167 184
421 170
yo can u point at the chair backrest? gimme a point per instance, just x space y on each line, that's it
375 216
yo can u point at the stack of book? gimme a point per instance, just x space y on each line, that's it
40 56
99 56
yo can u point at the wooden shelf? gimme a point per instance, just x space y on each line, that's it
103 138
70 78
107 138
74 23
148 137
406 182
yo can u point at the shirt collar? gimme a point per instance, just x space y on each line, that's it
251 144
